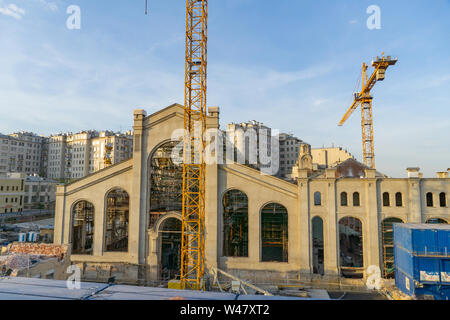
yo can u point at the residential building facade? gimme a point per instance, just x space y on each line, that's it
40 193
22 152
73 156
11 192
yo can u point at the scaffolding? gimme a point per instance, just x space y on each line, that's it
387 230
166 181
235 221
274 233
117 214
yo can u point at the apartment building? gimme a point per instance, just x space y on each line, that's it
330 157
252 142
23 152
11 192
40 193
73 156
289 152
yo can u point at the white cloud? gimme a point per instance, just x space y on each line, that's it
13 11
49 5
353 21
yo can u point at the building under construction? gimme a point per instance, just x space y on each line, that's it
330 223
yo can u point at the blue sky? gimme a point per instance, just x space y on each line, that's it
290 64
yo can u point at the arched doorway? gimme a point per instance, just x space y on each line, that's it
387 230
351 247
170 259
317 241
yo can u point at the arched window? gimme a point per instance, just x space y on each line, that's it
274 233
398 199
442 200
235 224
356 201
117 212
166 182
83 228
436 221
344 199
317 199
429 199
317 241
386 200
351 247
388 246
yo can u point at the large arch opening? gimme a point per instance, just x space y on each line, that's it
317 241
274 233
351 247
387 230
165 182
117 214
83 228
436 221
235 224
170 235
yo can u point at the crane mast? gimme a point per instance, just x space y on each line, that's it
193 214
364 99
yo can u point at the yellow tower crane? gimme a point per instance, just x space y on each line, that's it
193 214
364 99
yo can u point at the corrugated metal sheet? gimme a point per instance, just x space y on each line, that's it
423 239
44 289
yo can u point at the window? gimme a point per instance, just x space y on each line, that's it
344 199
386 200
235 224
317 242
429 199
442 200
117 212
166 182
356 202
317 199
274 233
398 199
83 228
436 221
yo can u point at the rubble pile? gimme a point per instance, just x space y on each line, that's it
38 249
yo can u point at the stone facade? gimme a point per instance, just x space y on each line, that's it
147 242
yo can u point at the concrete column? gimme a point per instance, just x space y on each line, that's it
138 225
414 196
371 236
153 253
331 233
212 201
99 223
60 216
304 231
